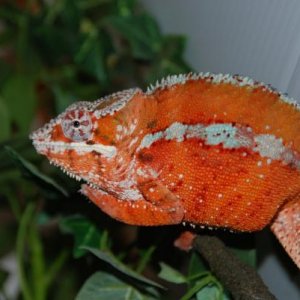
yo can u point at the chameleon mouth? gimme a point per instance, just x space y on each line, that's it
65 170
73 175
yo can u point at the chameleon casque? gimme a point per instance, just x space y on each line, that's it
213 150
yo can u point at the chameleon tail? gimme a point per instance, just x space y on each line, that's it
286 228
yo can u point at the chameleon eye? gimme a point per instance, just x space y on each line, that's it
77 125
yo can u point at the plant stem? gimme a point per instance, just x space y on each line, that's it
37 264
197 287
20 247
198 275
55 267
13 202
145 259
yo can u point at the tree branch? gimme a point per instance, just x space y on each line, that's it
239 278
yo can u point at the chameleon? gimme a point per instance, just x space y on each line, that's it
208 149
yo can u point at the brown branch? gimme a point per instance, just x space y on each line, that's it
239 278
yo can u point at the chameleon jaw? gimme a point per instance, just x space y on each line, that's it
65 170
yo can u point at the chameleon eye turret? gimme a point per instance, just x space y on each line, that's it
77 125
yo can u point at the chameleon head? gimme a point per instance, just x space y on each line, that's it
82 139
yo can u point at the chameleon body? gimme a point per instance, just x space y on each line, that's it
214 150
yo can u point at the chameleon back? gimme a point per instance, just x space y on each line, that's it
229 150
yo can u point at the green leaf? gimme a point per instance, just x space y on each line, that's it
173 46
85 233
63 98
142 33
246 255
30 172
116 264
145 258
196 266
4 121
71 14
91 57
169 274
103 286
125 7
18 93
209 292
164 66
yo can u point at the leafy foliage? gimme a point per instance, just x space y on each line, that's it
105 286
53 53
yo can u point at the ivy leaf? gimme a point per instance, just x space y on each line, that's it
91 56
30 172
173 46
103 286
85 233
63 98
169 274
142 33
246 255
116 264
4 121
209 292
18 93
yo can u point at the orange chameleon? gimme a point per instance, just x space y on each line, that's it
213 150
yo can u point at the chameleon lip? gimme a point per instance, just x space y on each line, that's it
80 147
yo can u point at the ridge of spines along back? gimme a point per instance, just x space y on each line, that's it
235 80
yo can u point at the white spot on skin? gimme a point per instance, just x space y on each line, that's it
259 163
220 195
180 176
149 139
269 146
176 132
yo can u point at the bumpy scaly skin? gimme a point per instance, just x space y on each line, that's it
207 149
